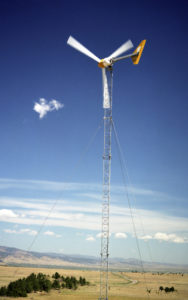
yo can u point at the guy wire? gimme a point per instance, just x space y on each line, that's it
77 166
123 167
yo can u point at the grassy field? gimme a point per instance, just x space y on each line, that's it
122 285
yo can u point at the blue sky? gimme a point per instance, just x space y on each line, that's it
58 158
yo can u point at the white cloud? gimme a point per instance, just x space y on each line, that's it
63 186
165 237
43 107
26 230
120 235
75 211
21 231
29 231
56 104
7 213
100 234
76 214
90 239
10 231
146 237
58 235
51 233
161 236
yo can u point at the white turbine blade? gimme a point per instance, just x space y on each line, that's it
125 47
106 98
75 44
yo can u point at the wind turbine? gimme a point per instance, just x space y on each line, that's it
106 64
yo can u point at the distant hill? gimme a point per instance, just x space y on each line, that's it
13 256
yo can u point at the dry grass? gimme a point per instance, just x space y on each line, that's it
123 286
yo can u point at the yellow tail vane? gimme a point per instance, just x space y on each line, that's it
138 52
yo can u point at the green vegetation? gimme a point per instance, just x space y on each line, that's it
56 275
40 282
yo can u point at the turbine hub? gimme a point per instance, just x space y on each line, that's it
104 63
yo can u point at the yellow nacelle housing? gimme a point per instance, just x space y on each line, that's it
103 63
138 51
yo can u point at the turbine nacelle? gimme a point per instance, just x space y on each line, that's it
105 63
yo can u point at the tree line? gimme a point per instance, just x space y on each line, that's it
40 282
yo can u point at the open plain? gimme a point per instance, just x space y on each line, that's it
122 285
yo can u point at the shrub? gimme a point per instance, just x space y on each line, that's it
56 275
82 281
3 291
56 284
168 290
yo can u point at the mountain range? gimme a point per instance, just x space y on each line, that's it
13 256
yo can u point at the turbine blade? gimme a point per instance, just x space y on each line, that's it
75 44
106 98
125 47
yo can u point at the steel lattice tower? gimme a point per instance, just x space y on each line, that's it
106 193
106 66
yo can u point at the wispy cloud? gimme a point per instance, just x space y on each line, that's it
51 233
78 215
74 210
95 188
90 239
170 238
28 231
165 237
43 185
43 106
146 237
120 235
100 234
11 231
21 231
